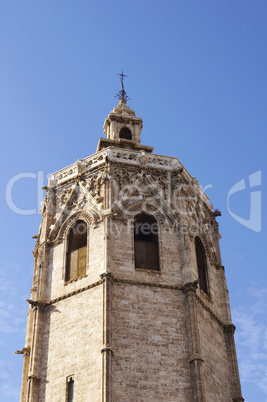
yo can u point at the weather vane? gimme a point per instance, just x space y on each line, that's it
122 94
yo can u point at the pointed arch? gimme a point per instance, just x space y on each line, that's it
76 258
201 265
130 208
90 217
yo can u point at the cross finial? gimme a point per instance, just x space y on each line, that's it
122 94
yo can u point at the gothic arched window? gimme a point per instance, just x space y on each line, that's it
125 133
146 243
201 265
77 251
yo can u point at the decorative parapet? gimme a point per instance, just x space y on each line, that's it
144 159
81 166
126 157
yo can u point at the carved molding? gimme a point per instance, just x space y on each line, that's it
91 217
75 292
125 156
75 279
76 199
150 284
190 286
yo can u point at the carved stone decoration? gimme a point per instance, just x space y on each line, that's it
64 199
78 203
24 351
93 188
121 177
142 159
85 195
142 193
190 286
90 217
142 182
123 156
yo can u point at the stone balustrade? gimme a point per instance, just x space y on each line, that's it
128 157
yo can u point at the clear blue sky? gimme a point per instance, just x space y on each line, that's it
197 77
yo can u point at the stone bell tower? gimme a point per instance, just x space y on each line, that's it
129 299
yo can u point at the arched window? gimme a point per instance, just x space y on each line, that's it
70 390
77 251
125 133
146 244
201 266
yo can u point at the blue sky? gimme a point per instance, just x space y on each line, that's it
197 77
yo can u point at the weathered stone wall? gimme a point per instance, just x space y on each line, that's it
217 301
71 345
123 264
216 368
150 345
55 286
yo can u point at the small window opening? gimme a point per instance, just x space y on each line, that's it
70 390
125 133
201 266
146 244
77 251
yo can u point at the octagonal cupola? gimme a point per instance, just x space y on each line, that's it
122 123
122 127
